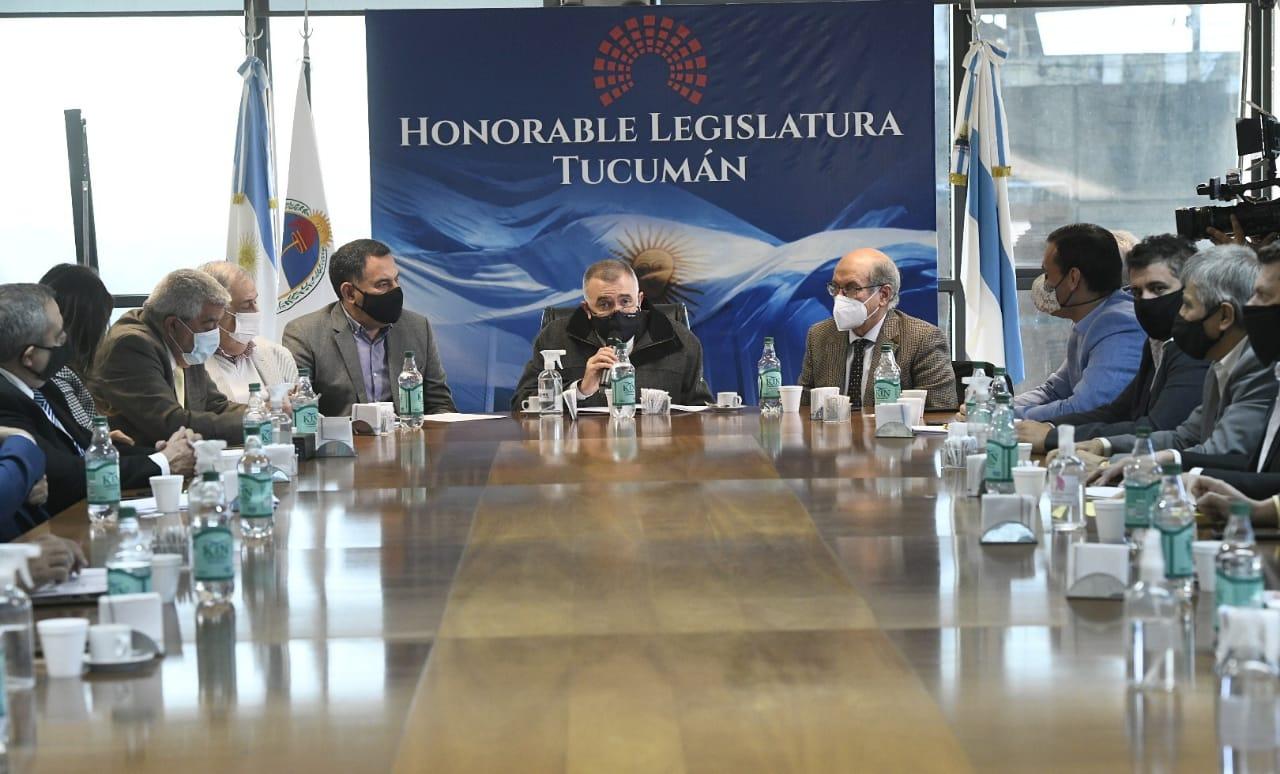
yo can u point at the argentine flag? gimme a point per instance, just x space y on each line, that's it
254 233
980 161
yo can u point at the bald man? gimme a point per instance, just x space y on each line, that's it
845 350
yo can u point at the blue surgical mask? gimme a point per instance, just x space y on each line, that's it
206 343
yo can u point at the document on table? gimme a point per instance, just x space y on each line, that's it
688 409
1103 492
929 429
455 417
147 505
91 580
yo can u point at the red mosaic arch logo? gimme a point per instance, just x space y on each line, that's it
644 36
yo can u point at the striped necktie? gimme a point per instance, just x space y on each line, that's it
43 403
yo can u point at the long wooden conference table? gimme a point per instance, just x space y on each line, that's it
693 593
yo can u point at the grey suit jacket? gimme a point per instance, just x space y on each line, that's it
1233 424
323 342
132 382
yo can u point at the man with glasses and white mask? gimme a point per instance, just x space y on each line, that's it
244 357
845 350
665 353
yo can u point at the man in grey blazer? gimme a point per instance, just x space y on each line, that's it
356 345
1239 389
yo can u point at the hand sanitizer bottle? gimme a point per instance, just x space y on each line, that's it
550 385
1066 483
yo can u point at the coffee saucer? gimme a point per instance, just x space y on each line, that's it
724 409
136 660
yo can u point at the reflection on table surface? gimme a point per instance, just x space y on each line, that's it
686 592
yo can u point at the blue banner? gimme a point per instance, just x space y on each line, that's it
731 154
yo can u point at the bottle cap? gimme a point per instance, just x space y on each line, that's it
999 371
1066 436
254 386
99 420
304 372
886 347
1171 468
768 341
1143 428
1241 508
127 512
408 353
1004 398
209 475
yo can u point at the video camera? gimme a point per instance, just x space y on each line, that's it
1258 215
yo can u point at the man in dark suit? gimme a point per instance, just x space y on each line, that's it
1169 383
354 347
844 351
148 376
665 353
33 347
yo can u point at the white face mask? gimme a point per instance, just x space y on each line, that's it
206 343
248 326
849 313
1044 297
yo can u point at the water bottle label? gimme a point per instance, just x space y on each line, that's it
1176 546
624 391
1238 592
887 391
1139 504
255 496
306 419
1000 462
103 482
770 384
120 581
212 555
411 401
267 433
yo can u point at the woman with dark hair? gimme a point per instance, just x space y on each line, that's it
85 305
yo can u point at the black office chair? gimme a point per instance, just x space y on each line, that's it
676 312
963 369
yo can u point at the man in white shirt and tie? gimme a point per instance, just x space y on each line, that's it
33 346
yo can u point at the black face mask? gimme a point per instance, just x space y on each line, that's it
1263 325
59 356
1157 315
1191 338
385 308
622 326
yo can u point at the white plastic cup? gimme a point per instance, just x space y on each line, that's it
975 466
62 640
1109 515
1205 553
791 398
1024 453
915 408
923 395
109 643
166 569
168 493
1029 481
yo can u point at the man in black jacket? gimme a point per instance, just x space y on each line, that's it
665 353
1169 383
33 346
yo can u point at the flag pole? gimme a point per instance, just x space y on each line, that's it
306 45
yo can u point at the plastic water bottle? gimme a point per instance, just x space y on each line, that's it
1246 708
1141 482
550 384
306 405
978 415
256 496
1066 483
129 568
999 386
1153 618
769 371
1002 448
212 546
281 420
1239 567
256 421
888 377
412 406
1176 520
102 474
622 383
16 626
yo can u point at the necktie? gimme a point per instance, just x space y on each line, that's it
855 372
43 403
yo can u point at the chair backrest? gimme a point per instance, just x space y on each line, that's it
964 369
676 312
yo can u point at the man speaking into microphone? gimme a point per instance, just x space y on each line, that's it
665 353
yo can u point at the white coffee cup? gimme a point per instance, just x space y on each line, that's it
1205 554
923 395
531 403
916 406
1024 453
728 399
818 400
168 492
1109 515
791 398
975 468
1029 481
109 643
62 640
166 570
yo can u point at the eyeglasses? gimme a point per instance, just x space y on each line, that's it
834 289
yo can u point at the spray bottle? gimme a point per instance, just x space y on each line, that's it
16 627
550 385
